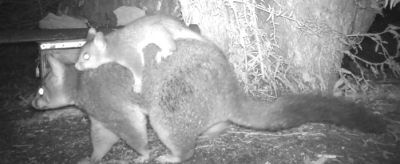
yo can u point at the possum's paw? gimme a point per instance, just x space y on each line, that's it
163 54
142 159
167 53
168 159
137 88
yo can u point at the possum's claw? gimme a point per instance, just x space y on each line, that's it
168 159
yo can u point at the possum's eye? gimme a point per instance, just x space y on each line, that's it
41 91
86 56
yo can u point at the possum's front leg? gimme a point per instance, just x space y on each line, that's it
137 76
165 42
135 63
102 141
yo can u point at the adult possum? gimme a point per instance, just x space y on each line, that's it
193 93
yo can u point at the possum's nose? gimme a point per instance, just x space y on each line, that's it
35 103
39 104
78 66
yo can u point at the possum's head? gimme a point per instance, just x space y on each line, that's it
93 53
55 90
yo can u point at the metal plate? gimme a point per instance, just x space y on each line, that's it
62 44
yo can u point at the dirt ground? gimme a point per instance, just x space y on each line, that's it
63 136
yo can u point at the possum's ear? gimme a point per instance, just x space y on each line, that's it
99 40
91 33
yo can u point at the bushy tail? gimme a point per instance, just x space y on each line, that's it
291 111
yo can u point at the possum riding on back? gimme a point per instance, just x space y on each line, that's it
125 45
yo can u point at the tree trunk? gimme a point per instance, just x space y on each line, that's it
282 45
316 45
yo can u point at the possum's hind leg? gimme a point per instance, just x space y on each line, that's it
102 140
181 144
164 40
134 133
